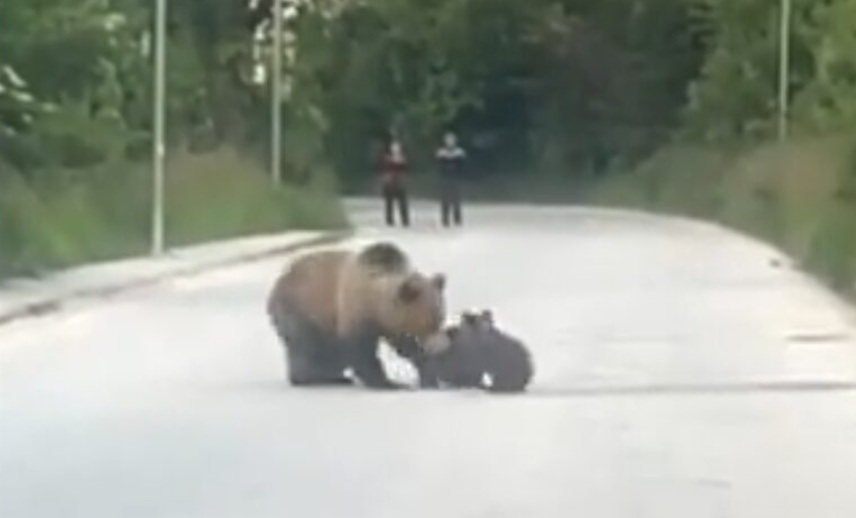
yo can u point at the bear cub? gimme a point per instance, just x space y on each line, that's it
474 353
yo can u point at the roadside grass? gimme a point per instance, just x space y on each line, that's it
800 196
104 212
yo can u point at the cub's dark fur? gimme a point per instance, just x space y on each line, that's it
479 356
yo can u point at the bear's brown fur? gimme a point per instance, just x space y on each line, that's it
331 307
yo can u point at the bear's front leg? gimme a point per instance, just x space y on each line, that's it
360 350
410 349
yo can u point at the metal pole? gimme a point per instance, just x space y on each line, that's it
784 63
158 147
276 94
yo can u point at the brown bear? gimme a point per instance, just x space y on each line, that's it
330 308
463 355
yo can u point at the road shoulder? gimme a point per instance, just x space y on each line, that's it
27 298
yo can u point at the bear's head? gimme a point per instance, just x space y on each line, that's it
416 305
474 330
471 332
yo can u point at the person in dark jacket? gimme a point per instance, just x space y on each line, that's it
393 168
450 160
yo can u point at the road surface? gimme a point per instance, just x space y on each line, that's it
682 371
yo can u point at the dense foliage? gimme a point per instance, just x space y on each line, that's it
565 86
75 132
538 89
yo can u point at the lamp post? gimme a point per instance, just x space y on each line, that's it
276 95
784 63
158 148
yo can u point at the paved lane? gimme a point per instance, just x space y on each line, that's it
680 373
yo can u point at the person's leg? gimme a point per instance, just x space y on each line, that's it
404 207
456 204
444 202
388 208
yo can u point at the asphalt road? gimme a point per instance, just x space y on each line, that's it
682 371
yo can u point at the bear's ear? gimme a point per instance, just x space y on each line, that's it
409 290
469 318
439 281
487 316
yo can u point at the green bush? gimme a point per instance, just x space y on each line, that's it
208 200
104 212
800 196
832 251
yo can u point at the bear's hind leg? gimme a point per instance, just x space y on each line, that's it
305 368
312 358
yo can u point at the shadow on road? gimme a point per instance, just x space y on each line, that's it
277 387
690 389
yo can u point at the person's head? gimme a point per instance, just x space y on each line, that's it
395 148
450 139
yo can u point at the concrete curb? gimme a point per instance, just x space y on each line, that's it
53 303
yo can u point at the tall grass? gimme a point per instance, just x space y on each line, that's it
104 212
800 196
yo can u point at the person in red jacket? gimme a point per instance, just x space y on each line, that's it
393 168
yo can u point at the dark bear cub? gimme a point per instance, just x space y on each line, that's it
476 354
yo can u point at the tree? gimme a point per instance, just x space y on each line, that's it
71 56
828 100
